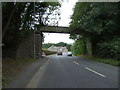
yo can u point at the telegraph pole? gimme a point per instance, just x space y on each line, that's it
34 33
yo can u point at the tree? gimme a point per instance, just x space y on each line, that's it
97 22
61 44
78 47
21 19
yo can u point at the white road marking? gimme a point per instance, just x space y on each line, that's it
95 72
76 63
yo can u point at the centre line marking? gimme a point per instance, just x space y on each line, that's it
95 72
76 63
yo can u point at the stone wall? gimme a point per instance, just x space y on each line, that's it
26 48
38 45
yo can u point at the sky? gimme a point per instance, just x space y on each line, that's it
66 12
57 37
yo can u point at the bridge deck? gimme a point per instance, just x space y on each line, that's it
55 29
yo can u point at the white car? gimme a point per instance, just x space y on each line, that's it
69 54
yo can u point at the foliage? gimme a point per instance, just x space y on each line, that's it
113 62
61 44
47 45
21 19
111 49
99 21
95 18
78 47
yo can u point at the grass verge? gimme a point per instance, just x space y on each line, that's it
12 67
112 62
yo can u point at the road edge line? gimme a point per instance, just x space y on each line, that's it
36 78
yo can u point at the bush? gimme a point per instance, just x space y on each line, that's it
78 47
109 49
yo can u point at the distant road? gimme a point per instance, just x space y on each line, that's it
74 72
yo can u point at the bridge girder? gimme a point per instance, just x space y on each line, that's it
54 29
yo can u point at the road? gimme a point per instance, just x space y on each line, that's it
74 72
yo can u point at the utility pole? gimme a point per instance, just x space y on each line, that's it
34 33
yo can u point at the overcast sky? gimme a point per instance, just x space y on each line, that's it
57 37
66 12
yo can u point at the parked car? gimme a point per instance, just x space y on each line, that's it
59 53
